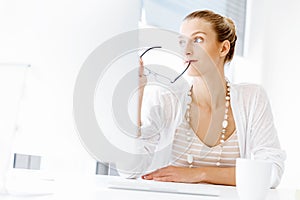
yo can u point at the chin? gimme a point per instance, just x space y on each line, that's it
193 72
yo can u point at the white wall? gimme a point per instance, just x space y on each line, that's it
272 59
55 37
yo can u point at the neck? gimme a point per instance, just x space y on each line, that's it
209 92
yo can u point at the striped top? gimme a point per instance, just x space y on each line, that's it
187 143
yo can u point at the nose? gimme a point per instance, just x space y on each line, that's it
188 48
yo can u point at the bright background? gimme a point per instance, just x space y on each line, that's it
56 36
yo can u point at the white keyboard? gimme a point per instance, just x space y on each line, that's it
167 187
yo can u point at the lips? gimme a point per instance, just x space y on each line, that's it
190 61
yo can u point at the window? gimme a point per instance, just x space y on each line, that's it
168 14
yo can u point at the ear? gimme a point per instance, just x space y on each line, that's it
225 47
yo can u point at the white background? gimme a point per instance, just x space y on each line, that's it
56 36
272 54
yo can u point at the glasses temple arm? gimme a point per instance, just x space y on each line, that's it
181 73
155 47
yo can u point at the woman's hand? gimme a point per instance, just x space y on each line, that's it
142 77
142 84
177 174
214 175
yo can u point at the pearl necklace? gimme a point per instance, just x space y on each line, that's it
190 158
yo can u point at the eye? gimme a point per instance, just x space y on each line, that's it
198 40
182 42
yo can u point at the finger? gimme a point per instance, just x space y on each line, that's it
151 173
147 177
148 174
160 172
157 173
141 68
164 179
141 62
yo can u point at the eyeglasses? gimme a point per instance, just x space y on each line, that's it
158 77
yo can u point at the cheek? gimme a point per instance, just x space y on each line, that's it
214 51
214 54
202 52
208 57
207 51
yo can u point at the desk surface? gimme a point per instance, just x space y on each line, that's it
95 187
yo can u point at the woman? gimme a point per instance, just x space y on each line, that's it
221 121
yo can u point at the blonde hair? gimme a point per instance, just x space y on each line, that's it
223 26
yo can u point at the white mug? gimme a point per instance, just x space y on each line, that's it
253 178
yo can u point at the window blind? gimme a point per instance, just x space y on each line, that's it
168 14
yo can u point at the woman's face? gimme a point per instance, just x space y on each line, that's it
200 46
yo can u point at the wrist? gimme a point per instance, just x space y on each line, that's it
205 175
202 175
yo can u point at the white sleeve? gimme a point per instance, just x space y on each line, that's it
264 140
152 124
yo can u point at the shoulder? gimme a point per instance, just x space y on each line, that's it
248 90
247 87
248 95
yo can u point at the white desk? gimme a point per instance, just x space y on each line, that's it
95 188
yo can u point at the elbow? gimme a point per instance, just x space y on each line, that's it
277 172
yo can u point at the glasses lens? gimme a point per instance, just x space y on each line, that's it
163 80
146 71
182 42
171 69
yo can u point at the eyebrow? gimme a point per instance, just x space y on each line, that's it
195 33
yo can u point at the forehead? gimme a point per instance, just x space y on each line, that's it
190 26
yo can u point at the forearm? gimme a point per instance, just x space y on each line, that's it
218 175
140 101
141 86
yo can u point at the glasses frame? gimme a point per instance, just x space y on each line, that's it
157 74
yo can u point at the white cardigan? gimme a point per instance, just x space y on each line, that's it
257 135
